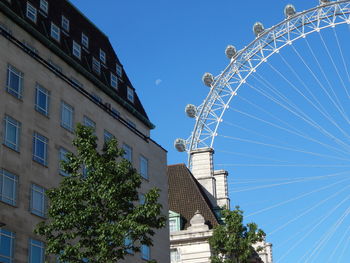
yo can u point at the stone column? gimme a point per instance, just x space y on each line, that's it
221 188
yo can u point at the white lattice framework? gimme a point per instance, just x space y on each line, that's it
226 85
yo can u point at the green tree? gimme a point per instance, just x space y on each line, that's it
232 241
97 216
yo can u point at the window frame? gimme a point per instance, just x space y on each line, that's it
103 56
130 94
145 252
64 124
176 254
65 23
38 138
43 200
12 145
84 40
143 160
127 149
107 136
14 91
44 6
76 50
39 244
119 70
55 34
62 157
38 108
96 66
10 200
114 81
88 122
31 12
4 233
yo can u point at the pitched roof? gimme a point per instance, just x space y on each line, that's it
186 196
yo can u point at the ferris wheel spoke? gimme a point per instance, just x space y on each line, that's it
342 54
345 248
250 156
340 242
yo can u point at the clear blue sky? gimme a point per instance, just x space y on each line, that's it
166 46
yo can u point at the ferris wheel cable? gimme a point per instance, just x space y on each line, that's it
325 238
291 182
282 147
296 198
344 249
329 118
341 241
334 65
276 229
334 149
319 221
305 118
282 165
342 54
338 104
292 128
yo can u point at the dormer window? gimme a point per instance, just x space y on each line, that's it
84 40
119 71
76 49
174 221
96 66
130 94
65 24
55 32
114 81
102 56
44 6
31 12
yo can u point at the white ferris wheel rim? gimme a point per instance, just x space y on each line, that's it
226 85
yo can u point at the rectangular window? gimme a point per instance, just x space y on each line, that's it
8 187
114 81
55 32
173 225
65 24
63 157
7 240
130 94
76 49
42 100
142 199
89 123
103 56
44 6
36 251
96 65
127 152
107 136
11 133
14 84
128 243
144 167
119 70
84 40
38 201
67 116
174 255
145 252
40 148
31 12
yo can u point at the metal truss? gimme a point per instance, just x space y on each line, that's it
244 63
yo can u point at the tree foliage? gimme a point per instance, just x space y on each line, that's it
232 241
97 216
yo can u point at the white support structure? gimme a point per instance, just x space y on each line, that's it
222 198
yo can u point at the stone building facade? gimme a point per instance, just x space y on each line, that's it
57 69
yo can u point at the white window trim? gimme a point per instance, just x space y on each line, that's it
44 6
114 81
53 28
84 40
65 23
32 11
76 50
130 94
103 56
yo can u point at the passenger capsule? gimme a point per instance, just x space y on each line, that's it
191 110
324 1
289 11
208 79
230 51
258 28
180 144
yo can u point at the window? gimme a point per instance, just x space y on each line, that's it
119 70
7 240
38 201
174 255
130 94
89 123
36 251
8 187
103 56
128 152
144 167
174 221
84 40
65 23
31 12
114 81
128 243
142 199
42 100
63 157
96 65
55 32
44 6
76 49
67 116
173 225
96 97
30 47
40 148
145 252
107 136
14 84
11 133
